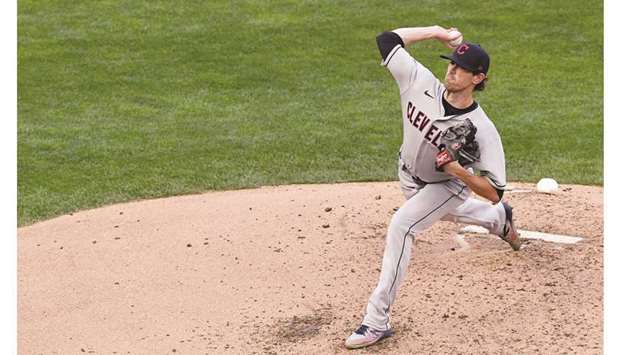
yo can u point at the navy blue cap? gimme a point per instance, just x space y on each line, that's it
471 57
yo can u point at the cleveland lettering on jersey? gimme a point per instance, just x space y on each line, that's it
425 120
420 122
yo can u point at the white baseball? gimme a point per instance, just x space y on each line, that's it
457 38
547 185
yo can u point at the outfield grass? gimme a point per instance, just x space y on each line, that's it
120 100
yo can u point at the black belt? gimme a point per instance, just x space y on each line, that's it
419 181
415 179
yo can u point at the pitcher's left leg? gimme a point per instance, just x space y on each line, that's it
418 213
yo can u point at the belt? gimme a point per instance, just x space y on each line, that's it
419 181
415 179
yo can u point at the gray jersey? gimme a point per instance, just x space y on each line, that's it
423 122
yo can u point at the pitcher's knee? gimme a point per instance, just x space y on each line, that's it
399 226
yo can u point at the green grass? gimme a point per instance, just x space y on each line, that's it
119 100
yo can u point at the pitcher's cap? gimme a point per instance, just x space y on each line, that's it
471 57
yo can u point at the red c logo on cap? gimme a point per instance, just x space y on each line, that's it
462 49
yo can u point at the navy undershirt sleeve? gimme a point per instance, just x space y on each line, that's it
386 41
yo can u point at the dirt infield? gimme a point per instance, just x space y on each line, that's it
281 270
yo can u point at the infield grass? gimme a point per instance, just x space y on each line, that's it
121 100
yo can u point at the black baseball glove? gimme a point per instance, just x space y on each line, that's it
458 143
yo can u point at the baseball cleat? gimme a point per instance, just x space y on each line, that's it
366 336
510 234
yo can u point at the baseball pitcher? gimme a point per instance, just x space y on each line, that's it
450 148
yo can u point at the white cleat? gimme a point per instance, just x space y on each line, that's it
366 336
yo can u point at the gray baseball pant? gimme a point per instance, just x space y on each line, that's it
425 205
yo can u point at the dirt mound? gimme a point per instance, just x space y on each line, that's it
290 269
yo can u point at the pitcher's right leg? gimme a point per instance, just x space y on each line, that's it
480 213
496 218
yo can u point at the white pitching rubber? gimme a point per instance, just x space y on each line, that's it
531 235
547 237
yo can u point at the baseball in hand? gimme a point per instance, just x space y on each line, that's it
456 38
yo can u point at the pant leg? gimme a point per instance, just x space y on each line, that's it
428 205
480 213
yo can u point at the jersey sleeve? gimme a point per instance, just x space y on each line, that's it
407 71
492 162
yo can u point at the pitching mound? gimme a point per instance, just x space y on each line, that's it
290 269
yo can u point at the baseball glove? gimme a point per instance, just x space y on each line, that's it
458 143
